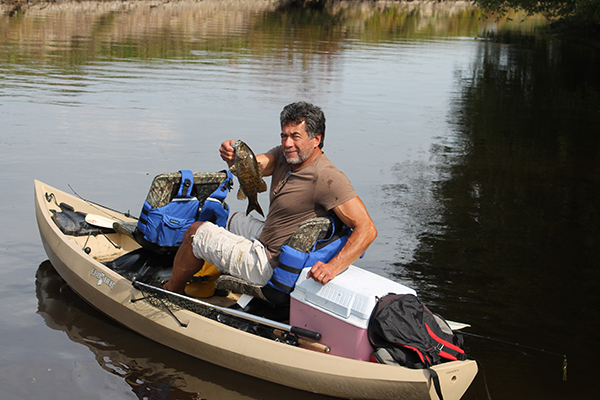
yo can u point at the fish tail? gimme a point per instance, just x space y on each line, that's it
254 206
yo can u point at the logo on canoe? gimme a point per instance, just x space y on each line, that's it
102 278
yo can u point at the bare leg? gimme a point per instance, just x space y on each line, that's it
186 264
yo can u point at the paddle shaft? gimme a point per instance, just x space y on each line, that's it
254 318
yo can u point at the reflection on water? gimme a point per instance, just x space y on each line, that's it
151 370
69 35
57 53
472 142
520 203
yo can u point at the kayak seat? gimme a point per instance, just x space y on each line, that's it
165 186
238 285
303 239
163 189
126 228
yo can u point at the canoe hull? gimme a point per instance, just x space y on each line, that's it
217 343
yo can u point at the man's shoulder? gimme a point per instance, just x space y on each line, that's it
324 162
325 165
331 176
333 186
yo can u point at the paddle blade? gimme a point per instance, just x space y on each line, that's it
98 220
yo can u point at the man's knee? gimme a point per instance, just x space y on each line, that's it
191 231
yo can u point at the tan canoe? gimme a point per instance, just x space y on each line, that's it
213 341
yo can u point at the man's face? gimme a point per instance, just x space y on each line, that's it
297 146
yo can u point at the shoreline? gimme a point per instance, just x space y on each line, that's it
562 30
15 6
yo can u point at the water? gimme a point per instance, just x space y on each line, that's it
473 144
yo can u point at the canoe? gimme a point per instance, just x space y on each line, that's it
80 260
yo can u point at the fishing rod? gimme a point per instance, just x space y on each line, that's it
296 330
564 364
101 207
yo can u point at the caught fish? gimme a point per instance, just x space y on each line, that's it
249 175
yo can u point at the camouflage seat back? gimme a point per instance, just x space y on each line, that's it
165 186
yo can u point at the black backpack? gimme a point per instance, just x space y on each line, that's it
403 331
402 322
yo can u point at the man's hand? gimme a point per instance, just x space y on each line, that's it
228 152
320 273
267 161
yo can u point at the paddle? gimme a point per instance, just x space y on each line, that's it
254 318
98 220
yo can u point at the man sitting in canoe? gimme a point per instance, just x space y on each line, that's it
305 184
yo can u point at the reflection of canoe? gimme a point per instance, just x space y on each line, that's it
79 260
158 374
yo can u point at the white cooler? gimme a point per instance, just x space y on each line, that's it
340 310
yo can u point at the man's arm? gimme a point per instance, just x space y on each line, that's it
354 214
267 161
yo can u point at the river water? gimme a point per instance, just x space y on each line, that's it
473 142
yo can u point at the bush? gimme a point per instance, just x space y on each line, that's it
583 12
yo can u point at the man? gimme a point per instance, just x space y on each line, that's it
305 184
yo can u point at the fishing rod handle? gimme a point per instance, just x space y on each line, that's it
303 342
306 333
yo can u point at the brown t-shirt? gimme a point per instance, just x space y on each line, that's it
309 192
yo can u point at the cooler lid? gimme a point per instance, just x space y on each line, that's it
352 295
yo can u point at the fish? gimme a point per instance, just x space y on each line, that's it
249 174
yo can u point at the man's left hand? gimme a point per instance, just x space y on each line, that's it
320 273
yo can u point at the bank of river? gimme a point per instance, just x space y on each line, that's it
15 7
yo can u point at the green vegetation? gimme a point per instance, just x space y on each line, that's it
582 14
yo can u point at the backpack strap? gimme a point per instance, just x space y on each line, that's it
436 383
446 349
